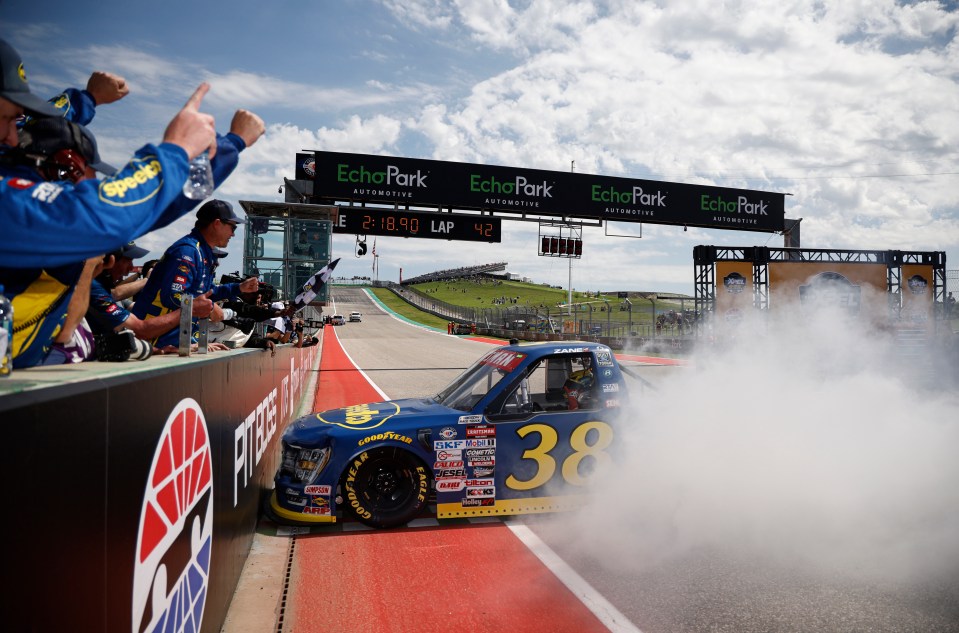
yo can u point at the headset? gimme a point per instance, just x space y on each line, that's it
64 164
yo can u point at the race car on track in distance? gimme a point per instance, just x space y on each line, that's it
338 319
523 430
355 316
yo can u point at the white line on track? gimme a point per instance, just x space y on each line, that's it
609 615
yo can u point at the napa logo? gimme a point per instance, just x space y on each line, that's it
361 416
171 573
135 188
392 175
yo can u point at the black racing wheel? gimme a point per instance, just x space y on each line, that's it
385 487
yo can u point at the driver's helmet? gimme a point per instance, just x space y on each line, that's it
578 387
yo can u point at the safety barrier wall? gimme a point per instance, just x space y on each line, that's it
133 489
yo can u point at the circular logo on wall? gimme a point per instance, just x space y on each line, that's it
734 283
309 166
171 572
917 284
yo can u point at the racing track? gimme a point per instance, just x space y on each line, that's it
479 577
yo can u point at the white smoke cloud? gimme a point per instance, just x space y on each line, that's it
813 445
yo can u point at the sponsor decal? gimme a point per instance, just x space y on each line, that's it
440 445
175 535
448 433
569 350
504 359
734 283
830 289
389 177
319 502
482 462
362 416
633 196
449 485
716 204
183 269
483 472
479 483
604 358
112 308
443 456
442 465
139 186
309 167
180 279
481 492
46 192
918 285
318 490
519 186
610 387
612 404
19 183
388 436
480 452
176 287
470 419
321 511
450 473
480 443
481 431
468 503
607 373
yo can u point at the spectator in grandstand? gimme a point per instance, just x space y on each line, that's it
187 268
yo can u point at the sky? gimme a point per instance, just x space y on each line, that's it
848 106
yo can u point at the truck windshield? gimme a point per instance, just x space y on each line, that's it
477 381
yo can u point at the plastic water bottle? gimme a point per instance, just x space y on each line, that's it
199 183
6 336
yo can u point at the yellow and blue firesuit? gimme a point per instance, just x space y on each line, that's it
187 267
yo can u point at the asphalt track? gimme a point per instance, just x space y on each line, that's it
490 576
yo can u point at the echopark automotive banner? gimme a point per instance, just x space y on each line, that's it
451 185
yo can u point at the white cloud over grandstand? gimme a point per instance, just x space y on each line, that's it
848 106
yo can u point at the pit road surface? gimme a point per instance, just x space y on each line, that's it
702 590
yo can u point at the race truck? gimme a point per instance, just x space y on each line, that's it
523 430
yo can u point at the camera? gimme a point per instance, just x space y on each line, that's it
121 346
266 291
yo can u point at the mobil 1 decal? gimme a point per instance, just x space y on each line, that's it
175 536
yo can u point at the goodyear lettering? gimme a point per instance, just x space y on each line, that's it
114 190
388 436
351 495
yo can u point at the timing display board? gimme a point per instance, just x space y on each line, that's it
400 223
407 181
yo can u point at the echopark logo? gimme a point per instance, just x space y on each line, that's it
171 570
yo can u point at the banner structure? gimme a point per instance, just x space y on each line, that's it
363 178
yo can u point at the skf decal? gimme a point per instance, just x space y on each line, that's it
388 436
141 185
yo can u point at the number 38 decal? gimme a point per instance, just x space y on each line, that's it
582 448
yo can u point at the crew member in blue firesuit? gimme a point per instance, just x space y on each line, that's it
187 267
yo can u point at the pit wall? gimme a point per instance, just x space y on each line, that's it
134 488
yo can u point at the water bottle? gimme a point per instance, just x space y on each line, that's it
199 184
6 336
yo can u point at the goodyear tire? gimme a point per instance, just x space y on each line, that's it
385 487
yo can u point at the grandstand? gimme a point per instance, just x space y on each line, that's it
463 272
